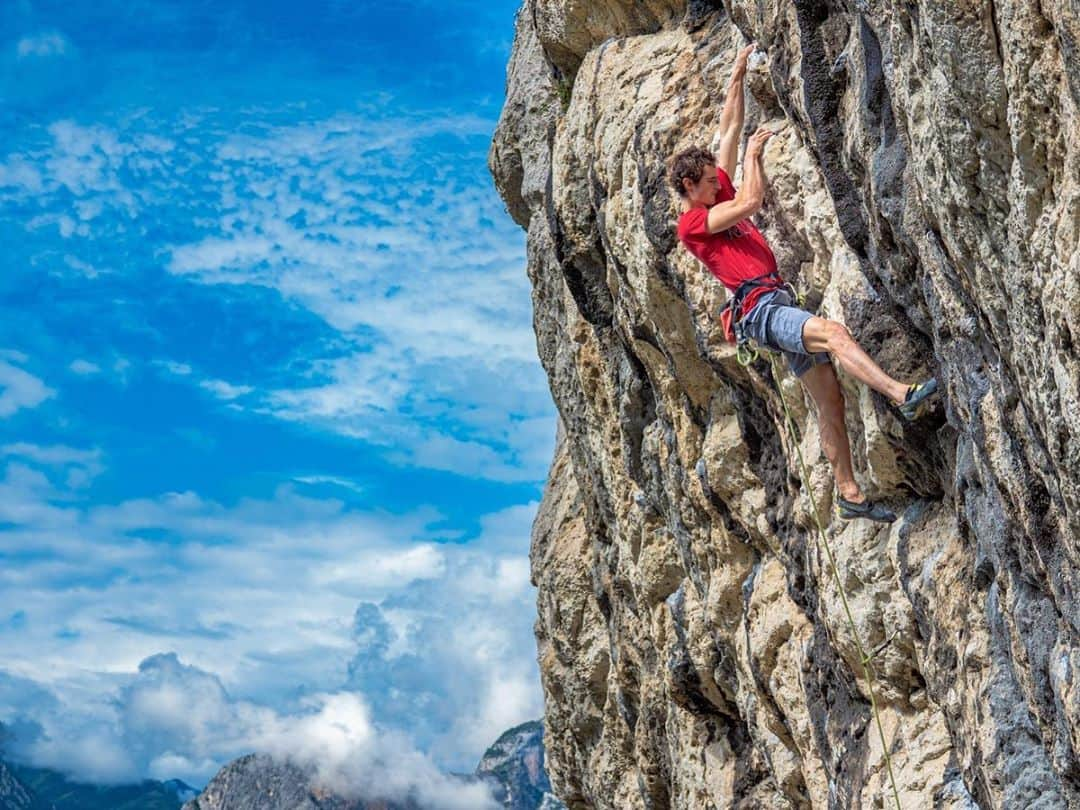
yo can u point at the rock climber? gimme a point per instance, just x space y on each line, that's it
715 227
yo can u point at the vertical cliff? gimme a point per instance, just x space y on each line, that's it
924 189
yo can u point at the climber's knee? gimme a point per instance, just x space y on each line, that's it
824 335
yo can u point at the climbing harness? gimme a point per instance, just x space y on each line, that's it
746 354
731 315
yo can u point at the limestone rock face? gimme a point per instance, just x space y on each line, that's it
924 190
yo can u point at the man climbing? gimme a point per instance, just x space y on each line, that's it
715 227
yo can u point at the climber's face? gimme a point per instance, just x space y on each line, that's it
705 190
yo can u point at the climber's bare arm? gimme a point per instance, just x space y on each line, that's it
748 198
723 215
731 117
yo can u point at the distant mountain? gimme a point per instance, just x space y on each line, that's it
24 788
513 767
260 782
14 794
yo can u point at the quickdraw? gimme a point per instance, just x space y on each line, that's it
746 353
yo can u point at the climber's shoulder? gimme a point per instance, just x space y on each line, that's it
693 222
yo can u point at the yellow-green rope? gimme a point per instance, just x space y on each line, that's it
747 355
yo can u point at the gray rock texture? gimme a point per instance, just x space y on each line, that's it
924 187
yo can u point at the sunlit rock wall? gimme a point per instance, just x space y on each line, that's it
924 189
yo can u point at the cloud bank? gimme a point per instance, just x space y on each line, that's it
20 389
254 598
172 718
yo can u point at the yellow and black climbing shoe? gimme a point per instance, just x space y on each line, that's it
914 404
849 510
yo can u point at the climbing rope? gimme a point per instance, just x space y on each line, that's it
747 354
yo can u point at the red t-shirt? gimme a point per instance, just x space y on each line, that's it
730 258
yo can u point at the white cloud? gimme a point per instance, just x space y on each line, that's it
353 757
86 170
84 368
440 452
174 368
454 659
50 43
79 466
52 455
363 570
83 268
330 480
121 366
20 173
19 389
93 754
420 276
225 390
414 266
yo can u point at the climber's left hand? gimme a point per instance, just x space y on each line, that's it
740 60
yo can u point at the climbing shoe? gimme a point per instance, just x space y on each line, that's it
914 404
849 510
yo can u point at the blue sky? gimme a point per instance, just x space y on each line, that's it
272 426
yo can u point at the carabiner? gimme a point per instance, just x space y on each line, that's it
746 354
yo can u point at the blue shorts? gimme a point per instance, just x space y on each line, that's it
774 323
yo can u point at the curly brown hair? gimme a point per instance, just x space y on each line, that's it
689 163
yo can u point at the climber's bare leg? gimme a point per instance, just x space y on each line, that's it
823 386
823 335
